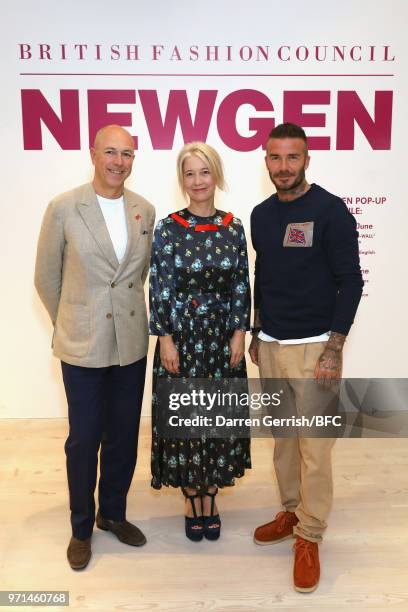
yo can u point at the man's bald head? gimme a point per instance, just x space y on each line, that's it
108 130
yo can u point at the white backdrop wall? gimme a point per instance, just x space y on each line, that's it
265 46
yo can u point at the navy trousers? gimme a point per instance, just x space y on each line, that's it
104 406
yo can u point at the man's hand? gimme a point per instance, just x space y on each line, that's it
253 349
169 356
237 346
330 364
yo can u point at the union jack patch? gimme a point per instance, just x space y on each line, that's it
299 234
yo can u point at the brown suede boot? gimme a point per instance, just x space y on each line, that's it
281 528
79 553
306 569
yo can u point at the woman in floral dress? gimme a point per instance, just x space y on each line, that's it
199 309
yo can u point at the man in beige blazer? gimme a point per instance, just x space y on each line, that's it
92 262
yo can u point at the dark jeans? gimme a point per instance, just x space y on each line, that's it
104 406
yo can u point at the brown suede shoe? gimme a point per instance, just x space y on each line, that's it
124 531
281 528
306 570
79 553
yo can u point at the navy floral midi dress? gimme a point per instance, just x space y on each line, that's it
199 293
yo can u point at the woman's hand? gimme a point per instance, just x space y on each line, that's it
169 356
237 346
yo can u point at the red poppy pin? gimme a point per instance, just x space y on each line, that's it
137 217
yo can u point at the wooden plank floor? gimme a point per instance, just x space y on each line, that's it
364 556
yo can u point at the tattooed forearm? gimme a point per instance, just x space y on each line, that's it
330 363
336 342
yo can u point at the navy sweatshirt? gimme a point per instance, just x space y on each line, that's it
307 273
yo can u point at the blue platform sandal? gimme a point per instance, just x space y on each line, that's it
212 523
194 525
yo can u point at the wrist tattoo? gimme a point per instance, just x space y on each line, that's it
335 342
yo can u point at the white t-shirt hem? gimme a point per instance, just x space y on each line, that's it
322 338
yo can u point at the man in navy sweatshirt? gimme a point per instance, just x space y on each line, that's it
308 285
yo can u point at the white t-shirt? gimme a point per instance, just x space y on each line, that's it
115 218
321 338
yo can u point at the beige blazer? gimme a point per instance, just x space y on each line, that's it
97 305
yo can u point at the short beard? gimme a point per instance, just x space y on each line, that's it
299 181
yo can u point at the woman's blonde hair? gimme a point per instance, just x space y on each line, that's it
208 155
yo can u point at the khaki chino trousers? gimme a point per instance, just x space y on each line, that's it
302 464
